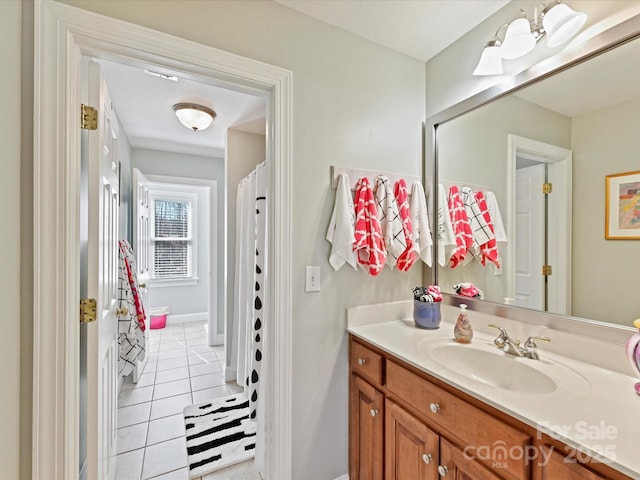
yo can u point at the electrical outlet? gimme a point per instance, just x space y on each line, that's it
312 283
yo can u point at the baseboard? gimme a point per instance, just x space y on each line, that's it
230 374
343 477
187 317
218 340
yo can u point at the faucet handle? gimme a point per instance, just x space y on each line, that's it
501 339
530 341
502 330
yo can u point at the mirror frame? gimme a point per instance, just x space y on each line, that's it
609 39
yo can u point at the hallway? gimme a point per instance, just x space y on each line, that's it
182 370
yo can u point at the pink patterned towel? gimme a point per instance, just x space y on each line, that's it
369 243
461 227
408 257
488 250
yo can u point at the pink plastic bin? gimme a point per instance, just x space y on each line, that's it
158 317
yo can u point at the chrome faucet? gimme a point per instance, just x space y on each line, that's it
505 343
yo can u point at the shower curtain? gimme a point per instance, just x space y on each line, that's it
249 291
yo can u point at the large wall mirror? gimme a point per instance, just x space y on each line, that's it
570 121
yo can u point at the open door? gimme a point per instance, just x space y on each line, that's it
102 282
141 245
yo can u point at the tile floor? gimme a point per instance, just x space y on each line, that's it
182 370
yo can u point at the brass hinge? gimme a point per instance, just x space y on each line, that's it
546 270
88 117
87 310
546 188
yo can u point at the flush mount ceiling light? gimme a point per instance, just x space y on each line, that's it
556 21
193 116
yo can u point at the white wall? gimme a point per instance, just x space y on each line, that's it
191 299
126 192
604 142
473 148
10 105
356 104
243 152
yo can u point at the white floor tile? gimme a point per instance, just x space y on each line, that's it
171 389
164 457
208 394
234 388
132 437
182 474
172 344
169 406
129 465
134 414
145 380
169 354
135 395
199 349
170 375
151 367
172 363
201 340
204 368
202 358
207 381
166 428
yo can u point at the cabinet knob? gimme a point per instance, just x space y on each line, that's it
434 407
426 458
361 361
442 470
374 412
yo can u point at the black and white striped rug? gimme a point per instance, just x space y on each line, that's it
219 434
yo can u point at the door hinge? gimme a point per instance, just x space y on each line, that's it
546 270
87 310
88 117
546 188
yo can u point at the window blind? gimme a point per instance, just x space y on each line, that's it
172 238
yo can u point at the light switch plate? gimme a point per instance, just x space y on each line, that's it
312 283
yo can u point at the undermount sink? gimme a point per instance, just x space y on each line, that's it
486 364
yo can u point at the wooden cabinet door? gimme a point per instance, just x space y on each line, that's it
411 449
556 466
366 429
455 465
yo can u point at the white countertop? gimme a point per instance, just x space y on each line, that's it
595 410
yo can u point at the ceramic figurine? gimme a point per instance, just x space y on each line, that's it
633 352
463 333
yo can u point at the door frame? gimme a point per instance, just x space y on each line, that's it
62 35
559 161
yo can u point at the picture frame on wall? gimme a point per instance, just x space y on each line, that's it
622 211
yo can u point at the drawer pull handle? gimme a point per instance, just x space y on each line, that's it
434 407
442 471
361 361
374 412
426 458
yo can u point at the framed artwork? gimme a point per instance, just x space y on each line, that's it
622 213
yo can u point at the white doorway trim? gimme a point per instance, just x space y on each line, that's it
62 35
559 161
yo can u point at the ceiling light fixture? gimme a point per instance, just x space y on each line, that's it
193 116
556 21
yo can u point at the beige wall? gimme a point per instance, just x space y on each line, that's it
355 104
473 148
10 276
604 142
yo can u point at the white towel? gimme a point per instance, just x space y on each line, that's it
446 236
390 221
496 218
422 241
341 231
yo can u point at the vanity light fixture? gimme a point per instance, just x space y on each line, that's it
556 21
193 116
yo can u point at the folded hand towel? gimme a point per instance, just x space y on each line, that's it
480 230
390 223
408 257
461 228
446 235
369 244
341 231
496 218
422 241
489 251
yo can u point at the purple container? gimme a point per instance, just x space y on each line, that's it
426 314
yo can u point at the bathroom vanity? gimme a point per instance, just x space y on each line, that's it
416 411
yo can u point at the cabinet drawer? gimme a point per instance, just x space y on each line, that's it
483 438
367 363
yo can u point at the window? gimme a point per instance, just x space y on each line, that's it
172 235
